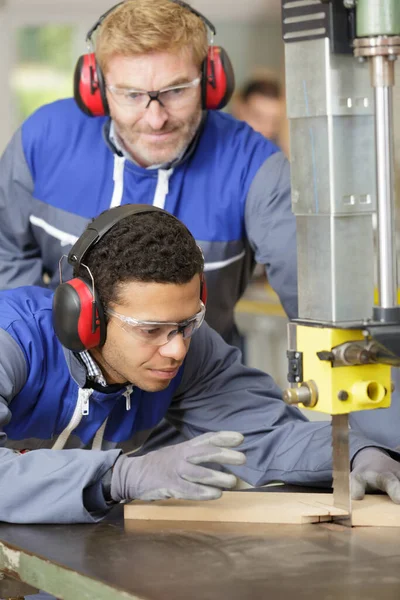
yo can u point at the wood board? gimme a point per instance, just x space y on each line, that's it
267 507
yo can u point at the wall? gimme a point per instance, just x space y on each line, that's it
250 45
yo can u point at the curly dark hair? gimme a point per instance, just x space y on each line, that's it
153 246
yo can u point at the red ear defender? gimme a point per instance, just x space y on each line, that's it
218 81
78 317
203 289
89 88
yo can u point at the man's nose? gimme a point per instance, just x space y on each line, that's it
155 115
176 348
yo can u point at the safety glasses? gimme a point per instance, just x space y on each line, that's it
158 333
173 97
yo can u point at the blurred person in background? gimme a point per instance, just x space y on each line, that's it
261 104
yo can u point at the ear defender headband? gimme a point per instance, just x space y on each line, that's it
78 316
217 85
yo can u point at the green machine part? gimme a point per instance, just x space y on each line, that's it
378 17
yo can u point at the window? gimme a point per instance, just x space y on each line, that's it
43 72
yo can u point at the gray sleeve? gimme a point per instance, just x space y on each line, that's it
271 228
13 371
218 393
20 260
45 486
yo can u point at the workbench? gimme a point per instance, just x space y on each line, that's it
147 560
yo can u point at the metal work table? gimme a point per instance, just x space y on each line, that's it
203 561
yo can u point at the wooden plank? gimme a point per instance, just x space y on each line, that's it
376 511
238 507
267 507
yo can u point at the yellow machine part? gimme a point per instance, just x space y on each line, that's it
367 386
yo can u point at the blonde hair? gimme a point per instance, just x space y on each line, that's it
141 26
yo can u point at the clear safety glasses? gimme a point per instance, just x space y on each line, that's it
174 97
159 333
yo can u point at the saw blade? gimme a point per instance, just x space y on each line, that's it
341 467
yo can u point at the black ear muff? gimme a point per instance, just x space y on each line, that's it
218 82
89 87
78 318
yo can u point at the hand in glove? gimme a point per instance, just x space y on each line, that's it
177 471
373 470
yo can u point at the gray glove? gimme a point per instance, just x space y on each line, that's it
373 469
175 471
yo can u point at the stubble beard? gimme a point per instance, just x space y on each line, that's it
148 156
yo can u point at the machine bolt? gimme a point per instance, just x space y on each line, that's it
342 395
306 394
290 396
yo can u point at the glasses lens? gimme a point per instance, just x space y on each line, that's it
193 325
189 329
135 100
127 98
158 334
176 97
155 336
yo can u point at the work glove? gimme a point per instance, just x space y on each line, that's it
177 471
373 470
